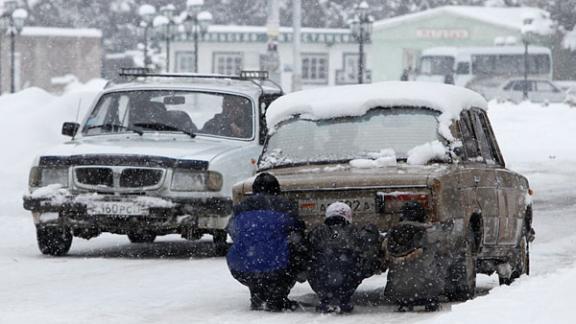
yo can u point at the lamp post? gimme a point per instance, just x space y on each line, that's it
146 13
361 29
529 31
12 21
4 23
196 23
165 22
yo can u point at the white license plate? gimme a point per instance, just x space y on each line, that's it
318 206
117 208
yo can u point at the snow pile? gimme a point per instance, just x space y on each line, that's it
356 100
426 152
31 121
531 133
543 299
381 159
538 23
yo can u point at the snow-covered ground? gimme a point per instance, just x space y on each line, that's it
109 280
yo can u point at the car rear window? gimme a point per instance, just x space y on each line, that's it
300 140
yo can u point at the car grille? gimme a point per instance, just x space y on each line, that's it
95 177
113 178
136 178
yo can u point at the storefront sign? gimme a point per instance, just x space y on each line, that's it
442 33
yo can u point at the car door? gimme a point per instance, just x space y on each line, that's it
511 192
517 91
546 91
477 178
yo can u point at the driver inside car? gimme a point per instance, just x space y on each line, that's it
235 120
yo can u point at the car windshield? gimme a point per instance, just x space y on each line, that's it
187 112
302 141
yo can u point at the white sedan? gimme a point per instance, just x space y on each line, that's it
541 91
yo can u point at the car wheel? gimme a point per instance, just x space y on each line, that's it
219 238
461 281
141 237
521 262
53 240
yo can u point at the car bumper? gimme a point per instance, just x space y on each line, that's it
163 215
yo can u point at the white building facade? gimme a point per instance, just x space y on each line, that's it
328 56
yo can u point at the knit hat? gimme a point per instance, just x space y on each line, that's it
339 209
266 183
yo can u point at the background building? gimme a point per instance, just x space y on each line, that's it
329 56
398 42
50 58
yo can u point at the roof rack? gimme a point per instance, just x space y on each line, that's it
252 76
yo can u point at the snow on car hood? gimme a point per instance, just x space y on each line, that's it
169 146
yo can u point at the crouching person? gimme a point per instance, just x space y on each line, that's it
341 255
267 241
416 276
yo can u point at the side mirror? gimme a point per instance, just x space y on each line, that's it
458 152
70 129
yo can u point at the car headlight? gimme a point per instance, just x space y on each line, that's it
192 180
41 177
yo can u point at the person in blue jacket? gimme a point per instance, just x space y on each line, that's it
268 245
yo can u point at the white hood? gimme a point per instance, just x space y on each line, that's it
169 146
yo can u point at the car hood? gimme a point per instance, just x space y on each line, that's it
168 146
338 176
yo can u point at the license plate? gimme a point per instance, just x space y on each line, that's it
318 206
117 208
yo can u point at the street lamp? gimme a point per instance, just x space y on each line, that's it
166 22
146 13
196 23
12 21
528 35
361 29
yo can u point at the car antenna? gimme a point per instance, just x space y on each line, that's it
77 115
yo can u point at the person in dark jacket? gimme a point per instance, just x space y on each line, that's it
415 274
267 245
342 254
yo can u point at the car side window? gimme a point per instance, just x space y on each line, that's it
495 150
468 138
480 130
519 86
546 87
463 68
509 85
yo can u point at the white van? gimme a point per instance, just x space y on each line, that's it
483 69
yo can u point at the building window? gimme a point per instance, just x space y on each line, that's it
227 63
315 68
349 72
185 62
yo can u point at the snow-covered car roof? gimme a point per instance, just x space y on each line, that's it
245 87
356 100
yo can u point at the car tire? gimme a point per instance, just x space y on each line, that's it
53 240
521 262
461 280
141 237
219 239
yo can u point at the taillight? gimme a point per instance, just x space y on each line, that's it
392 202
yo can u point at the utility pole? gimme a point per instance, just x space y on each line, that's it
272 57
296 45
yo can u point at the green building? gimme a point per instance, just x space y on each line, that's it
398 42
